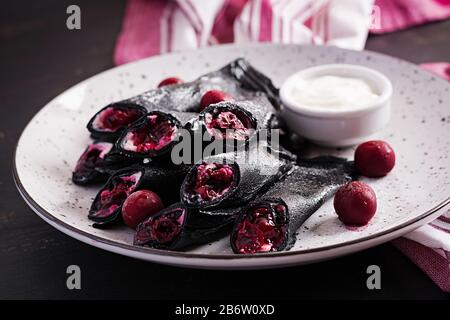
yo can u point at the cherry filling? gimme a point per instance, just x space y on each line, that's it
229 125
210 181
261 229
91 157
114 118
154 134
162 229
114 194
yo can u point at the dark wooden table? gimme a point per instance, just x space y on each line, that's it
39 59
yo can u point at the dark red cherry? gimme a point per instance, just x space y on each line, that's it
139 206
213 96
374 158
355 203
169 81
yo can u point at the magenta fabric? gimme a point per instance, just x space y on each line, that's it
401 14
222 29
140 35
441 69
433 264
146 20
151 27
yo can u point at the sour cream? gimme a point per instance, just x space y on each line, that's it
332 92
336 104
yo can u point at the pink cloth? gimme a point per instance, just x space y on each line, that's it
159 26
429 248
441 69
400 14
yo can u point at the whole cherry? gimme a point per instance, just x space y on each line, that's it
213 96
169 81
355 203
374 158
139 206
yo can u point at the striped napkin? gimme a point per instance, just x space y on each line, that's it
159 26
152 27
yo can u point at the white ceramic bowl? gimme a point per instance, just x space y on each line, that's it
338 127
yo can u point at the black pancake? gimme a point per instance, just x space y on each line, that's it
253 171
179 120
259 110
164 180
178 227
237 78
301 192
88 168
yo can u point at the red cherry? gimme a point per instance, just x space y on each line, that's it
355 203
214 96
169 81
139 206
374 158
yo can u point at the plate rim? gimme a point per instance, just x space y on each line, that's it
179 254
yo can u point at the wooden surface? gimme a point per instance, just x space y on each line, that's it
39 59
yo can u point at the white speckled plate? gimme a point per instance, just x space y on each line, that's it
413 194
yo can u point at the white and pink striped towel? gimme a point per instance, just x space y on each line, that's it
153 27
159 26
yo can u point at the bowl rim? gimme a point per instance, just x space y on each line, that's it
382 101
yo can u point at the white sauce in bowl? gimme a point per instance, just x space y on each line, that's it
332 92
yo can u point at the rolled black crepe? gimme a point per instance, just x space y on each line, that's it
178 227
237 78
232 178
97 163
246 120
87 168
258 113
110 121
290 202
164 180
146 132
254 80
